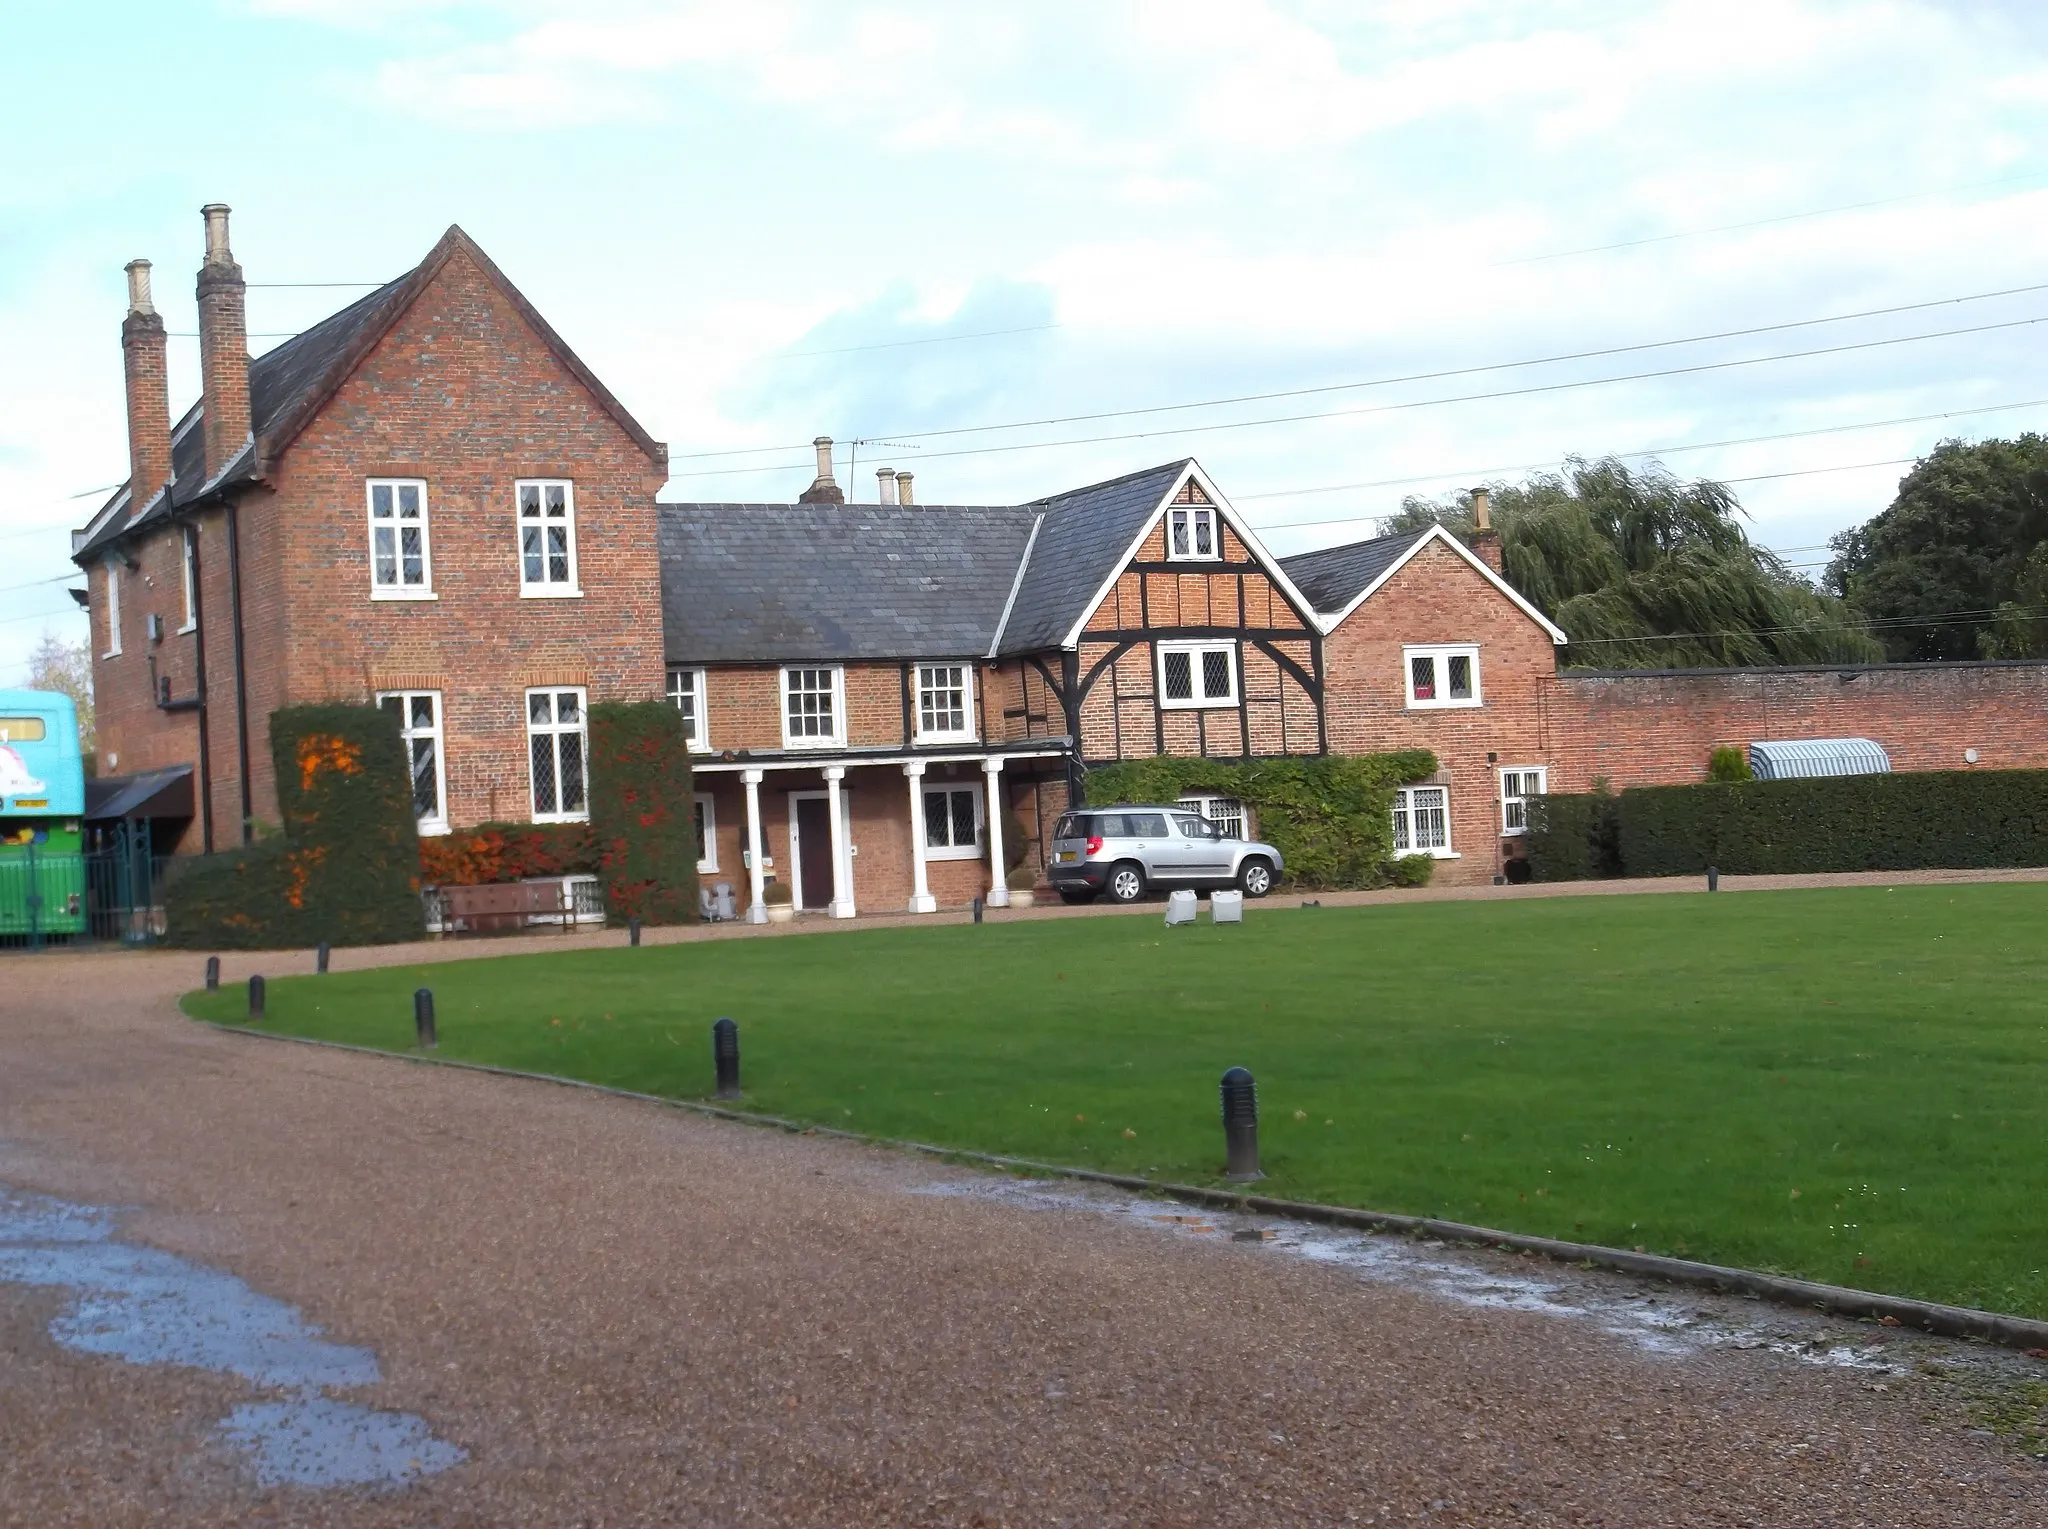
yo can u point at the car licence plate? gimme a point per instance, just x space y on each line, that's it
1069 856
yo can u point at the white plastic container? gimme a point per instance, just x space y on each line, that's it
1226 907
1180 907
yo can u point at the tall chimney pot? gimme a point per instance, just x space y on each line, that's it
217 251
223 345
1482 510
1485 540
138 287
903 488
146 377
885 484
823 489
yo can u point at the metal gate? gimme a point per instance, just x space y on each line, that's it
110 894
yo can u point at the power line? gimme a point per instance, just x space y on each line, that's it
1431 376
8 589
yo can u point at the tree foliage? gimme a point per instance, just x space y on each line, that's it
1957 565
1645 571
66 667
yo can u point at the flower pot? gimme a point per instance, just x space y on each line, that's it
1021 897
781 913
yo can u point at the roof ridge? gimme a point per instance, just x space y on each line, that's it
1129 477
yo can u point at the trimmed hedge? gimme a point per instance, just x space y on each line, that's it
642 811
1923 820
494 852
1331 818
346 869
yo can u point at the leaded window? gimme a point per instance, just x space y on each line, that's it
555 743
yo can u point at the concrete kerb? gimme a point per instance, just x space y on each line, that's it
1839 1300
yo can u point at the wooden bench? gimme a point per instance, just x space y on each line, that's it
505 906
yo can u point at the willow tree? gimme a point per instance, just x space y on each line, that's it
1645 571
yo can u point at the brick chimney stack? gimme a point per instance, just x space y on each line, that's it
223 344
1485 540
824 488
149 395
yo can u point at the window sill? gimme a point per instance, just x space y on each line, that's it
434 830
111 653
797 745
707 867
1214 705
936 740
187 629
1415 705
549 592
698 746
560 817
403 594
968 852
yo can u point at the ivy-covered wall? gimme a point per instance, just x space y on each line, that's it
642 815
346 867
1331 818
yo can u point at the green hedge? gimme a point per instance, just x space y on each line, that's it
1331 818
642 811
1929 820
346 869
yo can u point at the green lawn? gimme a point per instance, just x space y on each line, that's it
1847 1085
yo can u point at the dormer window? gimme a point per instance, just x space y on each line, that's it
1191 532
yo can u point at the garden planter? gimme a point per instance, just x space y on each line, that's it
1022 897
781 913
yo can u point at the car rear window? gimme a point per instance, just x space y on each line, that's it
1073 826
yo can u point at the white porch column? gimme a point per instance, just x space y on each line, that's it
842 867
992 805
757 911
921 899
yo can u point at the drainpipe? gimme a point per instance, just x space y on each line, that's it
241 676
199 688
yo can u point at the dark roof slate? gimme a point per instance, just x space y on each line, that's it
1080 542
1333 577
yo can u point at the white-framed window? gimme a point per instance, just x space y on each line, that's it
813 706
401 557
419 724
547 536
686 693
1191 532
555 751
1516 787
113 569
945 703
1193 674
188 552
1422 821
707 833
1441 676
1226 812
952 822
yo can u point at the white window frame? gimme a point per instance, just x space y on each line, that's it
1197 671
1441 655
1520 800
1216 808
555 729
112 565
966 732
694 683
187 552
949 788
437 821
545 588
424 590
707 864
1405 836
837 740
1195 518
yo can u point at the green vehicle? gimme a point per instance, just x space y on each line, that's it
42 812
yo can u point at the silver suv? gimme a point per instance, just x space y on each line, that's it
1127 851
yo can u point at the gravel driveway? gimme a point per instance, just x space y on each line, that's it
625 1315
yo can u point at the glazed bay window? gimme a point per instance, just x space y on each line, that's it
1516 787
813 707
686 694
401 560
707 833
1191 532
945 703
547 537
1441 676
952 822
112 569
1195 674
555 748
1422 821
419 724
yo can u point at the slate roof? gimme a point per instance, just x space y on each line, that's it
1333 577
773 583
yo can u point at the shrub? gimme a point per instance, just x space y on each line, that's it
1331 817
1729 765
345 868
1573 838
1410 870
777 892
1022 878
642 812
493 852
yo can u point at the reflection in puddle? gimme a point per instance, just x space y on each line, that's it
1662 1323
146 1306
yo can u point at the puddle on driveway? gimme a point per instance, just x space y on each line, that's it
1672 1323
145 1306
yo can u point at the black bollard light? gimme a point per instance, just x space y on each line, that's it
255 997
423 1018
633 932
725 1055
1241 1125
1713 878
977 910
213 974
320 958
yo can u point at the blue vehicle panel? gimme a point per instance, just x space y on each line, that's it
42 773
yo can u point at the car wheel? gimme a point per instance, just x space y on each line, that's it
1076 897
1255 877
1126 883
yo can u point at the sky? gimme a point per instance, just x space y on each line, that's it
884 222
